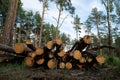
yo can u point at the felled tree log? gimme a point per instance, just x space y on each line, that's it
43 55
32 54
52 64
68 65
105 46
100 59
61 65
50 45
82 43
77 54
39 51
19 48
29 61
30 45
58 45
5 58
52 56
6 48
58 52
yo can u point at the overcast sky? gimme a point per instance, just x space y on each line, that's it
83 9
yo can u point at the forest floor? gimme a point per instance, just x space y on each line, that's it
25 73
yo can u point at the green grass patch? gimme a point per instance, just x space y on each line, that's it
12 66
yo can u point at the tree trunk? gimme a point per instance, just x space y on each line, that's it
9 23
19 34
14 35
42 22
28 32
109 25
58 21
107 6
99 37
77 34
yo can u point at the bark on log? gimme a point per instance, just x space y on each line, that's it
53 56
82 44
30 45
6 48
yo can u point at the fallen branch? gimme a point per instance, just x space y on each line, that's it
105 46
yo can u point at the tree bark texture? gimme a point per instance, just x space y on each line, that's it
9 23
58 21
42 23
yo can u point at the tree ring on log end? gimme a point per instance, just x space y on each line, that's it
51 64
87 39
68 65
77 54
19 48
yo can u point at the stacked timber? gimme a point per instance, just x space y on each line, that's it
53 55
80 56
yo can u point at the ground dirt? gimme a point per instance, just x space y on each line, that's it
58 74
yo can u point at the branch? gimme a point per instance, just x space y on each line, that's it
63 20
54 19
104 4
104 46
57 7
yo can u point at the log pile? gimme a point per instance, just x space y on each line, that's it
53 55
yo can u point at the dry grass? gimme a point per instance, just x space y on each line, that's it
21 72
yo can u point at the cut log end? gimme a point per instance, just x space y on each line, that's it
71 53
100 59
39 51
62 65
82 60
61 53
32 54
51 55
87 39
28 41
51 64
49 44
68 65
77 54
29 61
40 61
59 41
19 48
89 60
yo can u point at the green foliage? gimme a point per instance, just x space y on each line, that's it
113 61
108 3
65 38
65 5
117 42
77 25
